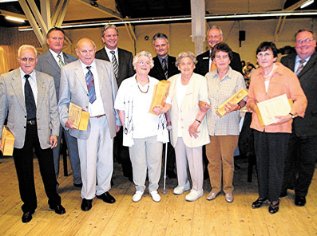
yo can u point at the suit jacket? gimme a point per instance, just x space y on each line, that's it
125 59
47 64
12 103
157 71
202 66
306 126
74 89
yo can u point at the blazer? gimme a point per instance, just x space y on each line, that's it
202 66
186 114
125 63
47 64
12 103
157 71
306 126
73 89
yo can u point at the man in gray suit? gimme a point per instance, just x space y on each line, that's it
51 63
28 99
123 68
90 84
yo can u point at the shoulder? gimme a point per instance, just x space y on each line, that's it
103 63
70 57
11 74
203 56
284 71
124 52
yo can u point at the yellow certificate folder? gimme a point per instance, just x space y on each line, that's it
234 99
78 116
7 144
160 94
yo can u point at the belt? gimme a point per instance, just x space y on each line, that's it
98 116
31 122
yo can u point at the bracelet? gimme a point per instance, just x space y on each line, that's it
198 121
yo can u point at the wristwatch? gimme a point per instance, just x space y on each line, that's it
292 115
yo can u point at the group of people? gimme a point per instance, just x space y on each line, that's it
116 89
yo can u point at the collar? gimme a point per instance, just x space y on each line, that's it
93 65
22 73
298 59
56 54
108 50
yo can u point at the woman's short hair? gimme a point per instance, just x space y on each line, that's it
221 47
266 46
185 54
143 54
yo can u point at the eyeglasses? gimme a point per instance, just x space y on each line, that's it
218 57
264 54
141 63
306 40
25 59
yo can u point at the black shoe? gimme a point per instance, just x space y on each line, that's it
59 209
27 216
258 202
300 201
86 204
106 197
78 185
283 193
274 207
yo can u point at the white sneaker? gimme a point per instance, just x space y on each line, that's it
181 189
229 197
137 196
194 195
155 196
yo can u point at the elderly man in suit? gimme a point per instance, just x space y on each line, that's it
90 84
302 152
122 66
50 63
28 99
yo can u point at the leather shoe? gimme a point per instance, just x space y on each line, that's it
59 209
274 207
27 216
300 201
258 202
78 185
106 197
86 204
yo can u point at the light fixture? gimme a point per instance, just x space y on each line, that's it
307 3
14 19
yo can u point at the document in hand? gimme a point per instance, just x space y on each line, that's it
234 99
7 144
78 116
269 109
160 94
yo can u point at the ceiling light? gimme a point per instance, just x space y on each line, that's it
15 19
307 3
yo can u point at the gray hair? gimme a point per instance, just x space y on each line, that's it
188 54
26 46
216 27
109 26
143 54
159 36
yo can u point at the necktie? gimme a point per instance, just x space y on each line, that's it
164 67
301 66
60 61
29 99
90 85
114 64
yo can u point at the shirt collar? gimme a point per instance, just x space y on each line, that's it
109 51
93 65
298 59
22 73
56 54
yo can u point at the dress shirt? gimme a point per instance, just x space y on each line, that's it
55 56
110 54
97 108
161 59
297 63
32 81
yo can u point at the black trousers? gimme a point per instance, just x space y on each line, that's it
23 160
300 163
270 152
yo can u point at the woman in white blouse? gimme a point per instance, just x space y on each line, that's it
143 132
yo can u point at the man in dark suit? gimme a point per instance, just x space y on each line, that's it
214 36
302 153
122 65
51 63
28 100
90 84
164 67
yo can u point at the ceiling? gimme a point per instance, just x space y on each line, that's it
101 10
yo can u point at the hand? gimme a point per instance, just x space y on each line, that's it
282 119
157 110
69 124
53 141
203 106
229 107
193 129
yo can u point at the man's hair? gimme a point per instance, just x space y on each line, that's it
305 30
159 36
54 29
217 28
26 46
109 26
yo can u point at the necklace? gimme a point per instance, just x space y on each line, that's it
147 89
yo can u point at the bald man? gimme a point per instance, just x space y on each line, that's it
90 84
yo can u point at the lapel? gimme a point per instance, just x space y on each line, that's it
312 61
105 55
79 74
101 75
51 61
121 60
17 88
157 64
67 59
40 81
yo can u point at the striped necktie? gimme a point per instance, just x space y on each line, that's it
164 67
29 99
60 60
300 66
114 64
90 85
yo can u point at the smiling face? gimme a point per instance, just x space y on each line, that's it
186 66
214 36
55 41
305 44
110 38
27 60
161 47
85 51
143 65
222 60
266 58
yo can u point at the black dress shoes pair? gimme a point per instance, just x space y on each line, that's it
300 201
106 197
27 216
274 206
86 204
59 209
258 202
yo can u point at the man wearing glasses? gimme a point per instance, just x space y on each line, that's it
302 152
